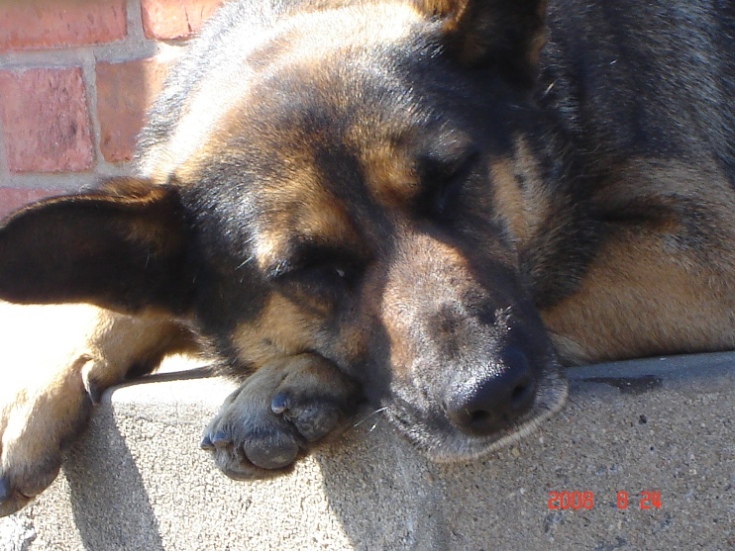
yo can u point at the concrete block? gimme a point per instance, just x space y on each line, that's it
137 480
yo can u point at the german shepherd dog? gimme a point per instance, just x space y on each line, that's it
427 204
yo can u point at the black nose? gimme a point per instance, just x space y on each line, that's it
483 407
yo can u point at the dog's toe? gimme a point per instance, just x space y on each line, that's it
275 417
206 443
272 451
257 444
313 418
20 482
10 500
5 490
18 486
232 461
220 440
315 397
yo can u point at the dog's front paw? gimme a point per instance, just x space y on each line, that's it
38 419
278 414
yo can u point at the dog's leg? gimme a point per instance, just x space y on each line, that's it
56 362
278 413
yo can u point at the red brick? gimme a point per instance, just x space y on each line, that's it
124 93
45 120
37 24
14 198
172 19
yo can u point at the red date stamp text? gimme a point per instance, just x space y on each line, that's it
585 500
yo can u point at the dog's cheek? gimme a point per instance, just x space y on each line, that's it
282 329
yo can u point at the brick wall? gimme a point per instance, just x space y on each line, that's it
76 77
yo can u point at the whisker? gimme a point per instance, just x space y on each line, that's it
248 259
368 416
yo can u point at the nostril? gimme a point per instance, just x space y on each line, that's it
469 419
478 417
492 404
522 394
481 422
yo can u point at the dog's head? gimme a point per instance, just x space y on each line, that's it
344 182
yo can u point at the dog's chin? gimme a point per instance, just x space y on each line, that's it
441 442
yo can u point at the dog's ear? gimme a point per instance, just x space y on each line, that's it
508 34
123 247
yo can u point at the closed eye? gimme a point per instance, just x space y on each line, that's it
326 270
443 180
317 270
328 283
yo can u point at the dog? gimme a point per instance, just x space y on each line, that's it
428 205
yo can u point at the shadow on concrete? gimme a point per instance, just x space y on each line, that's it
112 510
381 490
632 426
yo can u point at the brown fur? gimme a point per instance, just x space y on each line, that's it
427 204
636 301
46 396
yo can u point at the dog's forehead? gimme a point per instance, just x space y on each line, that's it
305 48
318 122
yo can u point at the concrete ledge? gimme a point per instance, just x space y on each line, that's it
137 480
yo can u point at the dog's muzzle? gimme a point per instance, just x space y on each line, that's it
483 405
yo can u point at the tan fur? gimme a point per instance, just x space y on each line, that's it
283 329
510 204
643 293
458 16
46 389
390 173
669 310
422 265
303 211
228 87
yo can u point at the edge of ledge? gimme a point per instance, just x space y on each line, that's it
138 481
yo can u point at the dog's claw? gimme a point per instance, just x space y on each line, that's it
11 500
279 403
94 390
221 440
5 490
206 443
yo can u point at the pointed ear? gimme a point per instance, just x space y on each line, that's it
123 247
508 34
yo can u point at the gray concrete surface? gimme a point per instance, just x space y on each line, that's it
137 480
